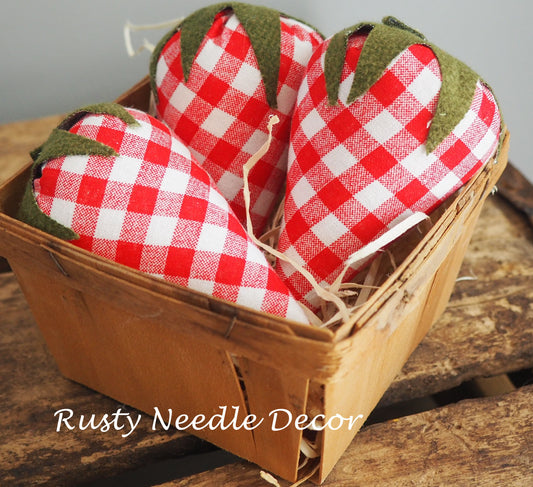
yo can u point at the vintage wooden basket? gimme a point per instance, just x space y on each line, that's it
148 343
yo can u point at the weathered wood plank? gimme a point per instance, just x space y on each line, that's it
486 328
515 188
474 442
32 390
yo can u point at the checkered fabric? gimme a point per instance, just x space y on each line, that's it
356 170
155 209
221 112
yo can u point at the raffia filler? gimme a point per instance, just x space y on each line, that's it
339 299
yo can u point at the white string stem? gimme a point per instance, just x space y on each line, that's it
322 293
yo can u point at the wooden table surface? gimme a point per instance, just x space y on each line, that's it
460 412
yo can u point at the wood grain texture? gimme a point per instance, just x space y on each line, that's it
474 442
515 188
31 450
486 328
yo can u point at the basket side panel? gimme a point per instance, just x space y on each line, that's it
384 349
279 398
446 275
380 357
11 192
136 360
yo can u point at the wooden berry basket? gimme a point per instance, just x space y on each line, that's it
149 343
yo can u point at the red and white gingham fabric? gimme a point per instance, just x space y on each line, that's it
221 112
356 170
155 209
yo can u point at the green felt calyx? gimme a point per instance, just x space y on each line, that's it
61 143
394 22
385 42
261 24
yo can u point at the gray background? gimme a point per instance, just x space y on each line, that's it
57 55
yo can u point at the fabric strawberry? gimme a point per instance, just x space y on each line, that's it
118 183
386 124
216 80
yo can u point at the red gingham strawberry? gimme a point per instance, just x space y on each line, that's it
217 78
118 183
386 124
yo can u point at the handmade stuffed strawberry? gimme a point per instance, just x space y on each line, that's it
118 183
386 124
217 78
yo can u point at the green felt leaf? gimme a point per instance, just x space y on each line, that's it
394 22
61 143
30 213
384 43
193 29
334 61
113 109
262 25
456 94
